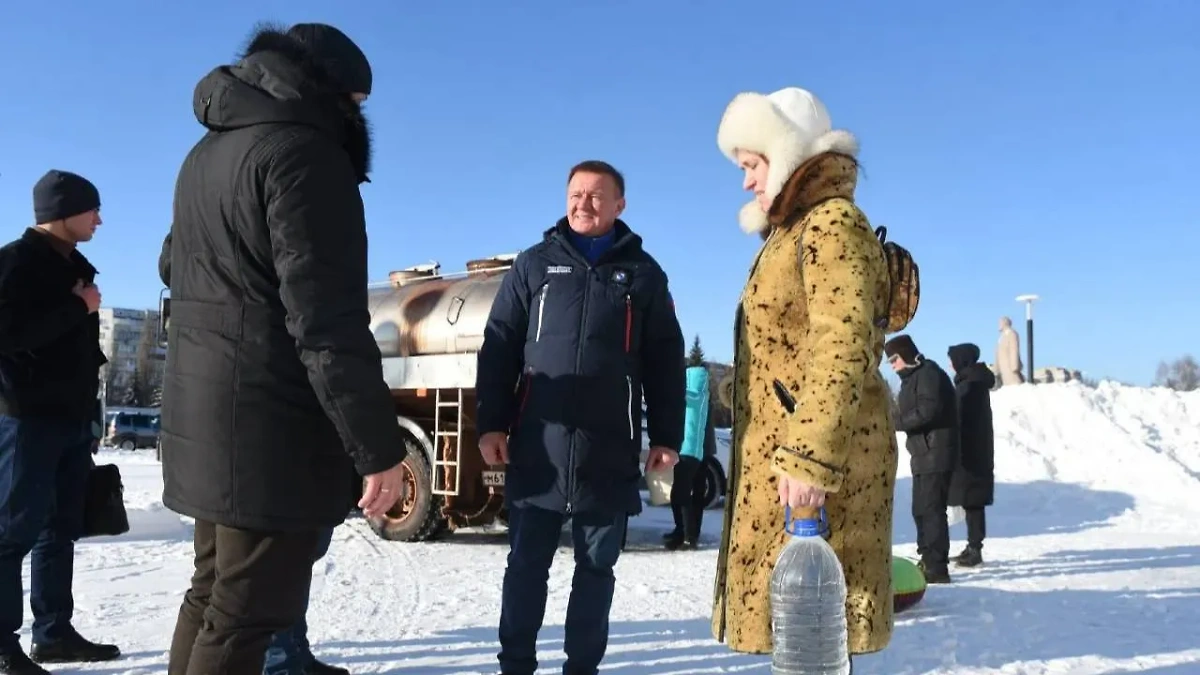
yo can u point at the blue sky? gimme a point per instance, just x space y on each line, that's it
1017 147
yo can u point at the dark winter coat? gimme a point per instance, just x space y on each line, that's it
585 342
973 483
710 434
273 380
928 415
50 355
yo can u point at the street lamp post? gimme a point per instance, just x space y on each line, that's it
1028 299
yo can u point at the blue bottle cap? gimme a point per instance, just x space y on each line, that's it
805 527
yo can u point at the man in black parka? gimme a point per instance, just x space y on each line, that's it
273 388
928 415
50 363
973 484
581 328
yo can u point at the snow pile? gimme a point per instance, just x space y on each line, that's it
1092 568
1139 440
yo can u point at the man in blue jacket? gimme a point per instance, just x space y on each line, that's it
582 327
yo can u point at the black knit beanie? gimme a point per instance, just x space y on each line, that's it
902 346
338 55
62 194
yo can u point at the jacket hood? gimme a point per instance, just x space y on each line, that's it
963 355
278 81
976 372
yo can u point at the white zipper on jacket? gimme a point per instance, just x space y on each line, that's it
541 311
629 405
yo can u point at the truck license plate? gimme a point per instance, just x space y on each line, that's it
493 478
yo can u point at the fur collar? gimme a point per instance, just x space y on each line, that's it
823 177
751 122
309 80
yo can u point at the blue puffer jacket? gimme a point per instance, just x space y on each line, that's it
581 343
696 416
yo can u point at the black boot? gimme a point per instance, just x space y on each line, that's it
17 663
319 668
970 557
938 576
934 575
74 648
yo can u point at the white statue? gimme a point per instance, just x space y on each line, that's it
1008 354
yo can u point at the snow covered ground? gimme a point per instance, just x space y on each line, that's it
1093 567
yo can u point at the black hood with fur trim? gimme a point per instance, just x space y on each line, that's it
278 80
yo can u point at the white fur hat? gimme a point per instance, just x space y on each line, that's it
788 127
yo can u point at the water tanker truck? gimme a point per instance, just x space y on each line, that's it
429 328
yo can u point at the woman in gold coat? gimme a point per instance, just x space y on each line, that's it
811 422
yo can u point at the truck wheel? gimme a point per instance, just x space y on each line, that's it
714 481
127 444
417 517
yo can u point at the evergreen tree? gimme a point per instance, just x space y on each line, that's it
696 354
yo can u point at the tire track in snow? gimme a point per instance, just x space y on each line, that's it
364 592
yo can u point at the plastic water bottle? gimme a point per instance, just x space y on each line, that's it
808 604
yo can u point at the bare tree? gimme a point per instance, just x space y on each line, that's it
116 392
1182 374
147 369
721 414
893 399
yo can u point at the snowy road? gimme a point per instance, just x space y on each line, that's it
1093 567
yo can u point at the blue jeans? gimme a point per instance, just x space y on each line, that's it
533 536
44 466
289 652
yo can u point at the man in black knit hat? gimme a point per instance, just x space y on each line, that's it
274 391
928 415
50 360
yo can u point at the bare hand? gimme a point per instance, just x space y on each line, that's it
661 458
799 495
494 447
382 491
90 293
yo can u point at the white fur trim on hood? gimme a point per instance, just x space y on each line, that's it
788 127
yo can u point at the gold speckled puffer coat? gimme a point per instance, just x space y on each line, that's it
806 320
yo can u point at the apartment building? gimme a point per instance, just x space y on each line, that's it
121 331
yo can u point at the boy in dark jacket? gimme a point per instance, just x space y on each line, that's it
928 415
50 363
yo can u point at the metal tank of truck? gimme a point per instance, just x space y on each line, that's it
429 328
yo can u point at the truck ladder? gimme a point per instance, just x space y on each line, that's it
447 442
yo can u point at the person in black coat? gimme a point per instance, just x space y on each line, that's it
584 326
273 389
50 363
973 483
928 415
